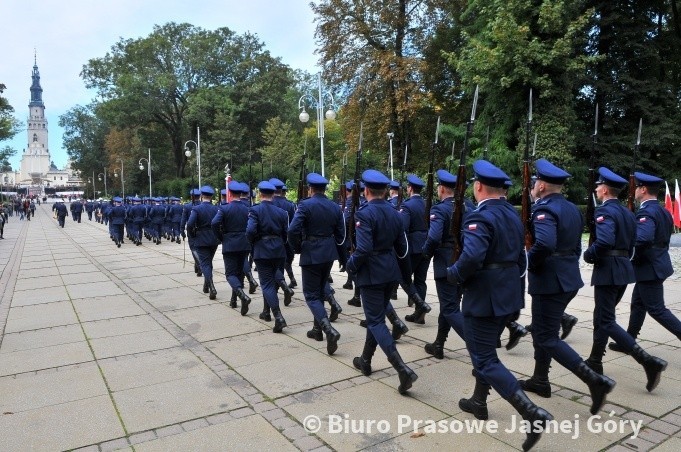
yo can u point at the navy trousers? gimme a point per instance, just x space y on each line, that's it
547 312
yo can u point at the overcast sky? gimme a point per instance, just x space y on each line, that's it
66 34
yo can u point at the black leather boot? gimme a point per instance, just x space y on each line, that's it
288 292
335 307
265 314
538 417
651 364
348 284
393 295
399 328
599 385
245 300
232 300
213 292
418 317
363 362
614 346
515 332
437 347
477 405
539 382
252 283
595 359
206 288
316 332
279 322
332 336
355 301
407 376
293 284
567 322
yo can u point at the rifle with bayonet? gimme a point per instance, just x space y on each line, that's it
342 194
591 187
400 193
484 153
526 211
632 178
355 192
460 190
451 160
430 183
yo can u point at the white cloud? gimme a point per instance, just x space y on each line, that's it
66 35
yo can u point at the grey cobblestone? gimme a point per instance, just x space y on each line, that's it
672 418
169 430
254 398
285 401
195 424
116 444
264 406
283 423
93 448
273 414
307 443
294 432
142 437
664 427
219 418
638 444
652 435
242 412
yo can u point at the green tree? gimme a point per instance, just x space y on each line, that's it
152 80
9 125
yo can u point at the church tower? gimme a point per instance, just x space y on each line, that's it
35 161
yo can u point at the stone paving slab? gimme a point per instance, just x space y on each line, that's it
39 295
53 387
125 344
61 427
174 401
46 337
44 358
248 434
43 315
109 307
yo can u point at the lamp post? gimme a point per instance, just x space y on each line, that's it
390 137
100 175
122 179
148 160
87 195
318 104
197 145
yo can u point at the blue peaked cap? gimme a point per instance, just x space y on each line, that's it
413 179
266 186
446 178
277 183
647 179
550 173
375 179
316 179
607 177
489 175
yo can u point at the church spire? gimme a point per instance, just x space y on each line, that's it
36 89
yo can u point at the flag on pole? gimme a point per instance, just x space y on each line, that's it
677 205
668 200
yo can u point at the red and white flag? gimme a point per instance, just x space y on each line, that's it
668 200
677 205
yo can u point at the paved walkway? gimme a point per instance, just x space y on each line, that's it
105 348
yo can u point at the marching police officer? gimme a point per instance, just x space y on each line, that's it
554 279
438 245
89 207
175 216
137 215
205 243
394 194
280 201
61 211
610 253
652 264
378 263
267 231
117 216
315 232
489 269
252 283
194 195
229 226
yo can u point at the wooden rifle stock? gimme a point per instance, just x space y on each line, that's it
460 191
526 211
355 194
591 187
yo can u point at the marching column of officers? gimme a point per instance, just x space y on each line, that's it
480 294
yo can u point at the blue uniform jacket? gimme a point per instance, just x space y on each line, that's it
439 241
654 227
137 213
381 245
554 257
413 211
175 213
615 233
492 260
266 230
199 225
229 226
117 215
316 230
